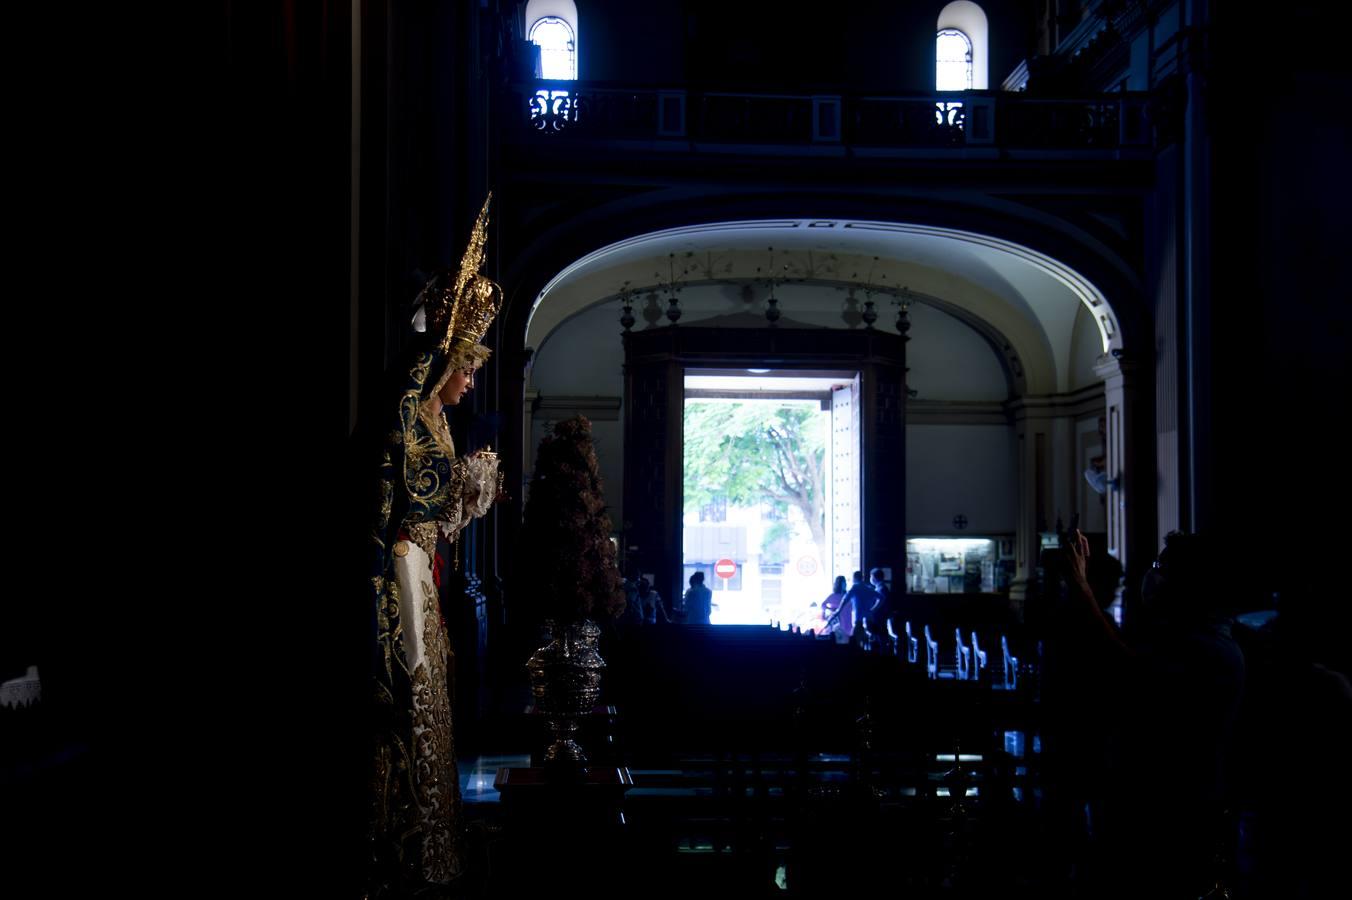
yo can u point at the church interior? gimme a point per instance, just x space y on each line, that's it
1015 314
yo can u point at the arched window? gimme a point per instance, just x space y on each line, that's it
552 26
952 61
558 59
960 58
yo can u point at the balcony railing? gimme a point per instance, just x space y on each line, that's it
990 119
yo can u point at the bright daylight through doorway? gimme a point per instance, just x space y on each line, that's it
771 487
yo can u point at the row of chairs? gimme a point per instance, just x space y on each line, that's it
970 661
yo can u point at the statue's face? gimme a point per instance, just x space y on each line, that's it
458 385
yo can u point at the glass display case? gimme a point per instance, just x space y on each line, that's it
965 565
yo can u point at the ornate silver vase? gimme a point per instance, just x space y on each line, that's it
565 679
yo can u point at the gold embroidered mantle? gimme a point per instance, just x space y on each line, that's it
426 491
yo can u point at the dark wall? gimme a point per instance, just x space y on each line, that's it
1282 316
1013 38
423 166
632 43
863 46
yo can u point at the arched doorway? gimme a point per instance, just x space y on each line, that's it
1052 341
658 364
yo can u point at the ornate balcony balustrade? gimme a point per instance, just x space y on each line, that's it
867 125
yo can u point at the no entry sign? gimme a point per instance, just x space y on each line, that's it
725 568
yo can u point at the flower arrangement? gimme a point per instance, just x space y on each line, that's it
573 573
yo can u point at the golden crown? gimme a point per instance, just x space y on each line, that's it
466 307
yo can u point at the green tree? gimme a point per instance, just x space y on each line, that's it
754 452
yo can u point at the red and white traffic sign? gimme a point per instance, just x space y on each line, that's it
725 568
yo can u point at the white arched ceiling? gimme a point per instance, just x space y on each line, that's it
1025 296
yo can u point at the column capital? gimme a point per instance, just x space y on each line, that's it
1119 365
